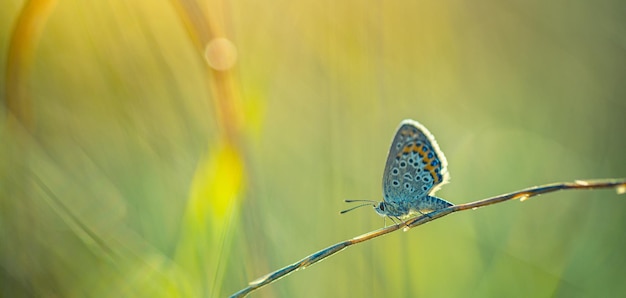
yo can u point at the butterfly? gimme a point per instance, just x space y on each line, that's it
415 169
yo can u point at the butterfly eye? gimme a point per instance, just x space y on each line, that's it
381 206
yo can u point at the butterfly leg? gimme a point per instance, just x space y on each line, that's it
400 220
424 214
394 221
404 222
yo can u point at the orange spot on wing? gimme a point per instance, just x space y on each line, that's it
421 151
428 167
432 172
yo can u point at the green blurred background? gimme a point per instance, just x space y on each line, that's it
124 180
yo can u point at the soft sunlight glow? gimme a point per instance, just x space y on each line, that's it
221 54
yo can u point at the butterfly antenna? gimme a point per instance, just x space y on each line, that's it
359 206
352 201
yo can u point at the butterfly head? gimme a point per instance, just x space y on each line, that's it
382 208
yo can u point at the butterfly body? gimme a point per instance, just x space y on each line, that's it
419 206
415 169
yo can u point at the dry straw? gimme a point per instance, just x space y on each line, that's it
618 184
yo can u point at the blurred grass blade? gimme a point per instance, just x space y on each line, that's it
28 27
215 196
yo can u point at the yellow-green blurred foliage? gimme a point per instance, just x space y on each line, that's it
127 186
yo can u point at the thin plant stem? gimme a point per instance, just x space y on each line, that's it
522 195
25 36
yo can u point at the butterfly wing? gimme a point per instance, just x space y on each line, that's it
415 166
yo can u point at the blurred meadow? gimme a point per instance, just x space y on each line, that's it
184 148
